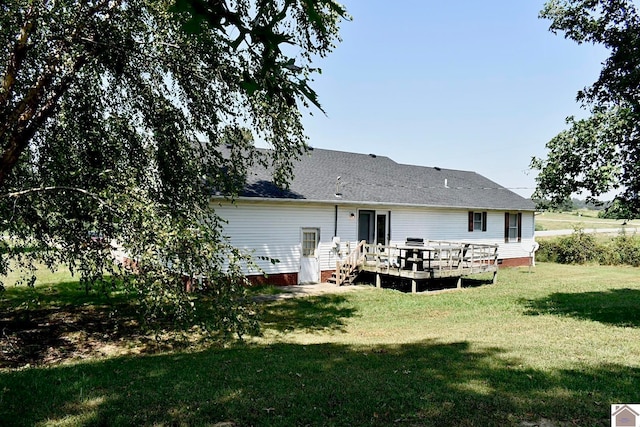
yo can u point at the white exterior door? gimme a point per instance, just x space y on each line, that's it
309 266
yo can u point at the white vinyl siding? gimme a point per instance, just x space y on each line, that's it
274 230
453 224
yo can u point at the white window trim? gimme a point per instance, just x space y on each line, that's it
307 231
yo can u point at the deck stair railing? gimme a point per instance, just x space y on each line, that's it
347 269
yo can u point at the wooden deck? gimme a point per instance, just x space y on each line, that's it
433 260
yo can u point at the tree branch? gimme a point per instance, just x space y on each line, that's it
34 109
16 194
17 56
42 98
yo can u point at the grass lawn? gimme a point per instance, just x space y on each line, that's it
561 344
582 218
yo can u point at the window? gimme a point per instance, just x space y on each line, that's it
477 221
512 227
309 242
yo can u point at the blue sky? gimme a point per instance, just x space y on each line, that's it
467 84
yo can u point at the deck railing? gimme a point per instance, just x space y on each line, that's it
434 256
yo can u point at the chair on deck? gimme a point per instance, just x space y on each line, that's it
462 257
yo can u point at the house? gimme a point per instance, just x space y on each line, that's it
337 199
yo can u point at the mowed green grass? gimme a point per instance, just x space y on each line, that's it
582 219
561 343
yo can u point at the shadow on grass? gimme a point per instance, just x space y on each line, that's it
61 322
420 384
404 285
53 323
618 307
309 314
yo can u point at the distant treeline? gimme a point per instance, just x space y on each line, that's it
606 209
570 205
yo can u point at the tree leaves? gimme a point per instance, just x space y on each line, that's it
600 153
117 118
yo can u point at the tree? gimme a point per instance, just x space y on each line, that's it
617 210
600 153
119 118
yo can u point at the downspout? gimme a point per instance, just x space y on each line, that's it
335 223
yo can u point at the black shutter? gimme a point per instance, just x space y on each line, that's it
484 221
470 221
506 227
519 227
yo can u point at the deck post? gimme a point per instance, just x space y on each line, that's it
414 283
495 277
459 282
378 280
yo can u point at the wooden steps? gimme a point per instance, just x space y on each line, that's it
348 278
348 269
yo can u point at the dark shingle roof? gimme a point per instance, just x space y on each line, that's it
374 179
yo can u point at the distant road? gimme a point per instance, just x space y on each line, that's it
547 233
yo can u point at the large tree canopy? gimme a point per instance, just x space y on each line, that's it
114 119
600 153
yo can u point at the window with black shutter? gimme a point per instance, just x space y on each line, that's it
477 221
